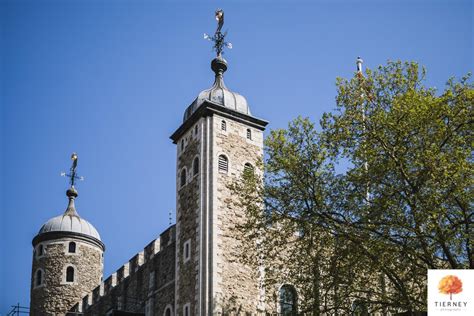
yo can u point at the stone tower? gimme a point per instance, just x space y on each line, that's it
217 140
67 260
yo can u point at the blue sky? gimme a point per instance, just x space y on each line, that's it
111 79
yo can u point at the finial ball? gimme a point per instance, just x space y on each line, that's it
74 156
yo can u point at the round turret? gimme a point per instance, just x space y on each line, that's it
67 261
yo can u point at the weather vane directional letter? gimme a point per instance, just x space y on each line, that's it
218 38
72 172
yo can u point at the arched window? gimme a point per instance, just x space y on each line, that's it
195 130
359 308
195 166
182 180
70 274
72 247
182 144
223 125
288 300
40 250
168 311
248 169
223 164
39 277
249 133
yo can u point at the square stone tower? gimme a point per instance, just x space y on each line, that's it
216 142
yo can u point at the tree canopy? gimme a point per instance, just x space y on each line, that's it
401 205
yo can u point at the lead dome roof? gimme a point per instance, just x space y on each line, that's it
219 94
70 221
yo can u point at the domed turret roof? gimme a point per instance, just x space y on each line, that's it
70 221
219 94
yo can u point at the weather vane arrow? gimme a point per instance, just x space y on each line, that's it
219 38
72 172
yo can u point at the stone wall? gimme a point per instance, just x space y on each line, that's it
56 296
188 217
237 285
145 284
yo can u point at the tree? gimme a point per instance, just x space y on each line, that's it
402 206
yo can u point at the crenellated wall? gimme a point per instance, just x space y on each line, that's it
145 284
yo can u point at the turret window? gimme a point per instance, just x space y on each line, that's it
249 133
168 311
72 247
70 274
39 278
187 309
223 164
248 169
182 178
223 125
196 166
195 130
39 250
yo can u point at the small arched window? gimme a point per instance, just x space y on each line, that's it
288 300
223 164
249 133
359 308
168 311
72 247
40 250
39 277
195 130
195 166
223 125
182 144
248 169
70 274
182 177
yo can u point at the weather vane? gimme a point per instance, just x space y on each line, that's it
219 37
72 172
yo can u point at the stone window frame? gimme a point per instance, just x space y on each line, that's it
295 292
196 130
195 174
187 257
223 126
66 248
249 134
187 307
180 177
35 278
43 250
168 308
76 274
219 170
246 165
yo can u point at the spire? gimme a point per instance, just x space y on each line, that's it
71 193
359 62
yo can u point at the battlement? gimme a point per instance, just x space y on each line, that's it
128 269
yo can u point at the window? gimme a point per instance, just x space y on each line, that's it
38 280
195 130
248 169
249 133
40 250
223 164
195 166
167 311
187 250
182 144
72 247
70 274
186 309
359 308
182 181
223 125
288 300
